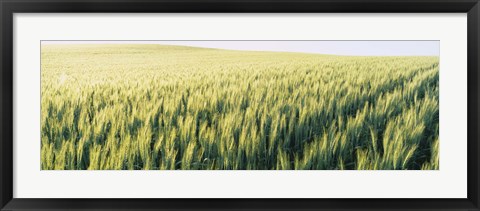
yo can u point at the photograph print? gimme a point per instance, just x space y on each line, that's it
240 105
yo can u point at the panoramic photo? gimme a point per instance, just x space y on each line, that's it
239 105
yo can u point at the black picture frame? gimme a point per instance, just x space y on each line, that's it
9 7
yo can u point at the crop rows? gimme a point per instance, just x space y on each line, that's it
156 107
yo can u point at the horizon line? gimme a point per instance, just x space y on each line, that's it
338 48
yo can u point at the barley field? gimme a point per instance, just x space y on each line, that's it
161 107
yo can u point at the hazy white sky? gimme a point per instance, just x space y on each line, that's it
360 48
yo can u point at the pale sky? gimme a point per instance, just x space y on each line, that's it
354 48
